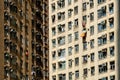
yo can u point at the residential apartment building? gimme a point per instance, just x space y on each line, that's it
84 40
24 40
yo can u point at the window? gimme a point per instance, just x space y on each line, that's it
53 7
102 54
76 61
53 18
104 78
112 51
60 4
61 65
112 65
93 70
92 56
77 74
61 40
76 10
70 50
61 28
69 2
76 23
111 8
101 1
70 63
102 40
62 76
53 77
61 16
70 13
53 67
91 3
84 45
111 36
61 53
92 43
111 22
91 30
53 55
103 68
53 31
112 77
69 38
76 48
84 18
54 43
85 58
76 35
75 0
91 16
70 25
102 12
84 6
85 72
102 26
70 75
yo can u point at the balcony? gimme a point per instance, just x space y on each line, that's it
39 27
6 58
39 73
39 38
13 47
38 3
6 44
13 8
6 17
38 15
39 49
6 30
6 71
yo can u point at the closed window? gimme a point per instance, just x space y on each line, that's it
103 68
102 54
76 61
76 10
93 70
91 16
76 74
111 36
91 30
70 50
54 43
70 25
92 56
102 26
69 38
76 35
111 8
70 63
112 51
70 75
112 65
102 12
69 2
92 43
76 48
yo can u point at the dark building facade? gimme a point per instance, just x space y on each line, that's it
24 40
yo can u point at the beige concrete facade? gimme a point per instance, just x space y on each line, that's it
84 40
